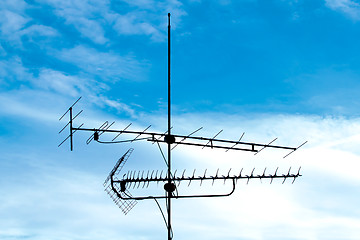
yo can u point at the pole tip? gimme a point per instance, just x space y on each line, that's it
168 14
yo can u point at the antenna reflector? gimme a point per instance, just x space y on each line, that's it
70 135
70 121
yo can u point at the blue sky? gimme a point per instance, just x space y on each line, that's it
271 68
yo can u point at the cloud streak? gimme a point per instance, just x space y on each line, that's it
348 7
94 19
107 66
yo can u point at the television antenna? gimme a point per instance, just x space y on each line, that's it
118 188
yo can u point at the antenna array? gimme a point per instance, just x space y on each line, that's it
118 186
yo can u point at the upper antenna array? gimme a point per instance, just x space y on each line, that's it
118 187
155 137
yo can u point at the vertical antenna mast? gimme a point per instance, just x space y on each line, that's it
71 129
169 89
169 193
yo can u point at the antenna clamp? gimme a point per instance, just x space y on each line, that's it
169 187
169 139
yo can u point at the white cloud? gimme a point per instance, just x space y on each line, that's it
146 20
320 204
39 30
284 211
17 77
34 96
93 18
16 24
51 80
89 28
12 70
104 65
119 106
130 24
39 106
348 7
46 100
2 51
13 5
85 16
11 24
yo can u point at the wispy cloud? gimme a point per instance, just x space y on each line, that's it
12 71
145 20
34 96
104 65
11 25
15 24
348 7
132 24
51 80
85 16
320 89
94 18
14 5
39 30
119 106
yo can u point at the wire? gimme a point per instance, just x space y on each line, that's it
162 153
162 213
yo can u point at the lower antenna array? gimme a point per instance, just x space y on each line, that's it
118 189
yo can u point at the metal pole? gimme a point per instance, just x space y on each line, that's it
71 130
169 194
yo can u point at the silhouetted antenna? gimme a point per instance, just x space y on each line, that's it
236 142
211 140
139 177
185 137
266 146
99 131
70 124
158 138
69 108
142 179
116 192
121 132
295 149
141 133
118 186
